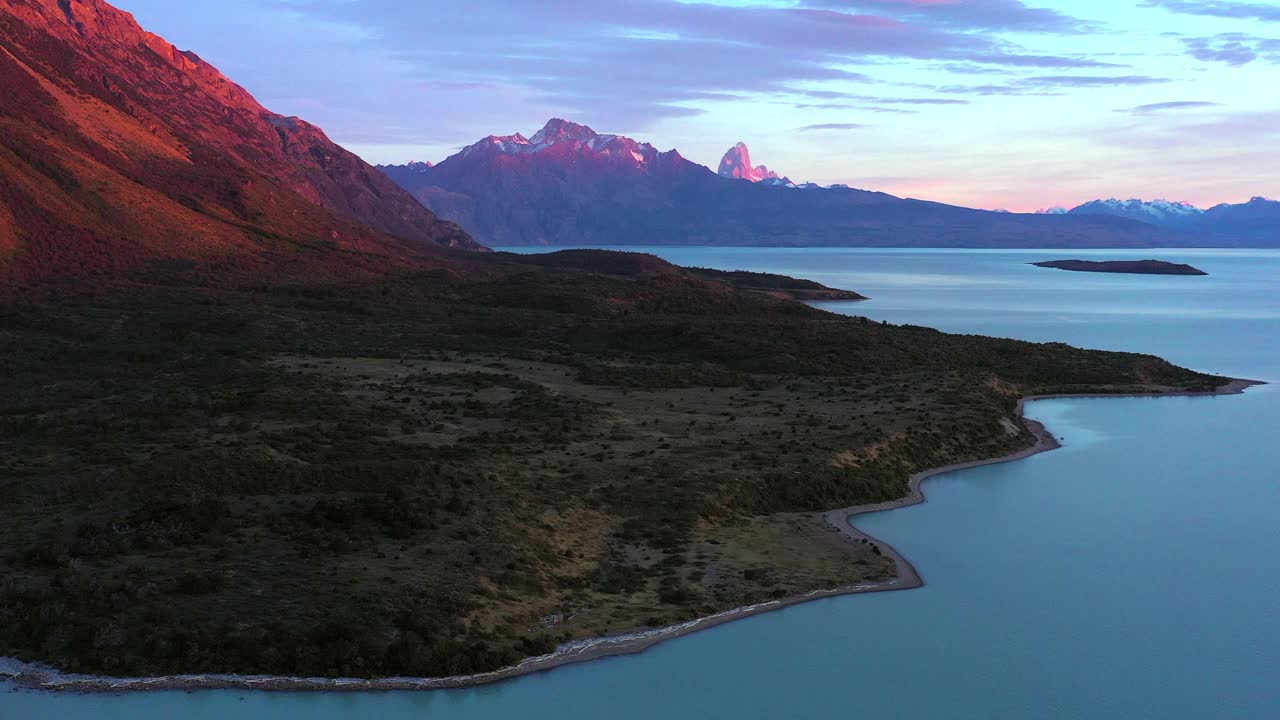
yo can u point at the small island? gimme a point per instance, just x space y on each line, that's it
1135 267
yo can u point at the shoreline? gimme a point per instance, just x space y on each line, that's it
38 677
840 518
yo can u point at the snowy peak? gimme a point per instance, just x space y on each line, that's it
1154 208
1163 213
498 144
559 131
561 136
737 164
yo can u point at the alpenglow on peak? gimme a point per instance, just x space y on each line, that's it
571 136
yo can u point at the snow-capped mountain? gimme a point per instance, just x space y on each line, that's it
1163 213
736 163
1252 224
564 136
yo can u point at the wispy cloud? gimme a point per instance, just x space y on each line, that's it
1165 106
877 99
1219 8
628 63
1009 15
832 126
1053 84
1234 49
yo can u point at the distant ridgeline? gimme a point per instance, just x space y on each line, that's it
569 185
1252 224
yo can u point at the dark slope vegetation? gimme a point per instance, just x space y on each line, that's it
777 285
403 477
120 154
643 264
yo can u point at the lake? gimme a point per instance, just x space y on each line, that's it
1128 575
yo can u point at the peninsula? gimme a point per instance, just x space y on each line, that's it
262 413
1132 267
779 286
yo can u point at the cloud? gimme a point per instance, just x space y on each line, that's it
1059 81
850 106
877 99
1204 140
831 126
1220 8
1234 49
923 101
973 69
1053 84
626 64
1009 15
1176 105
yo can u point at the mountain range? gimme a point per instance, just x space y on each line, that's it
121 155
569 185
1255 223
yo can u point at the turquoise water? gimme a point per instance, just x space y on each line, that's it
1128 575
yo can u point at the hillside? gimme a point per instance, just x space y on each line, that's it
122 155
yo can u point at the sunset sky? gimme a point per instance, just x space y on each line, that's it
987 103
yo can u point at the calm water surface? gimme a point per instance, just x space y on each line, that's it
1129 575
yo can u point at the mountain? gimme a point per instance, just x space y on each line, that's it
1161 213
121 155
568 185
562 186
1255 223
736 164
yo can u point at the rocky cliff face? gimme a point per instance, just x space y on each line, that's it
737 164
119 150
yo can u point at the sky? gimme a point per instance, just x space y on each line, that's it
999 104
